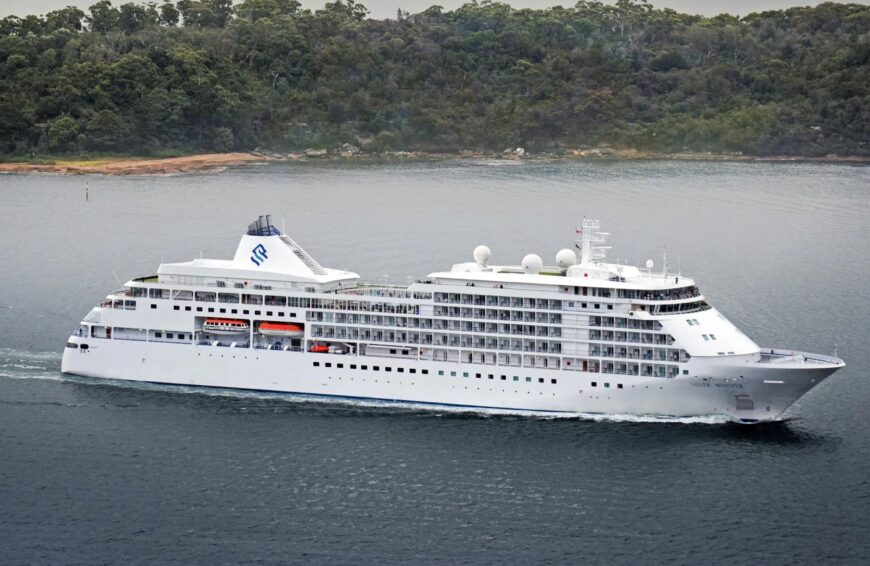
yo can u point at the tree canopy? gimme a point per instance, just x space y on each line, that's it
209 75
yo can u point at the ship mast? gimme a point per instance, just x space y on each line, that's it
591 241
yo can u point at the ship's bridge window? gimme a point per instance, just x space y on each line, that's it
158 293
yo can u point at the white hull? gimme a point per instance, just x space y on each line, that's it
294 372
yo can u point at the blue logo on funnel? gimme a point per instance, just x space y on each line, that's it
258 254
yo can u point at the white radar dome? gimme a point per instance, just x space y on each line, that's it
566 258
649 264
532 264
481 255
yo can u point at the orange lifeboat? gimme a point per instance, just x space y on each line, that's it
320 348
281 329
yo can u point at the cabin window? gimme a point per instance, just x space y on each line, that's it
594 384
153 306
400 370
376 368
364 367
169 335
619 386
158 335
528 379
504 377
316 364
176 307
339 366
412 370
352 366
388 369
553 381
328 364
187 308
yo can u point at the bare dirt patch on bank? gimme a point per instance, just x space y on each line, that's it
134 166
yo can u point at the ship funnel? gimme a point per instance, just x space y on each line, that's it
262 226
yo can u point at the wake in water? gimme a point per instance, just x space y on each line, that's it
17 364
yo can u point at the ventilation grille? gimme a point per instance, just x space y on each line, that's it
744 403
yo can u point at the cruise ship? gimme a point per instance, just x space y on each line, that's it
579 337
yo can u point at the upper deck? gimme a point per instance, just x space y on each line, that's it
267 260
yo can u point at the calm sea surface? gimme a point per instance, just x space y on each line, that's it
92 473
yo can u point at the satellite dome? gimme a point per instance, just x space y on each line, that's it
566 258
532 264
649 264
481 255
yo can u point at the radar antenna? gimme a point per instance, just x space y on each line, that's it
591 241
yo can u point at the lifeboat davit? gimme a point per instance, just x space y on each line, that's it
225 326
281 329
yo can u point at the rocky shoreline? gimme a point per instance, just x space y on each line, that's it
216 161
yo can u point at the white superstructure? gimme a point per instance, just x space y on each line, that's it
582 336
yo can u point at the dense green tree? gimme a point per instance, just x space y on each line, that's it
269 73
104 18
169 14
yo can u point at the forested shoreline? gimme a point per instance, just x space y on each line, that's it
192 76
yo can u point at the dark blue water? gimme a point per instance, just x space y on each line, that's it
95 473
